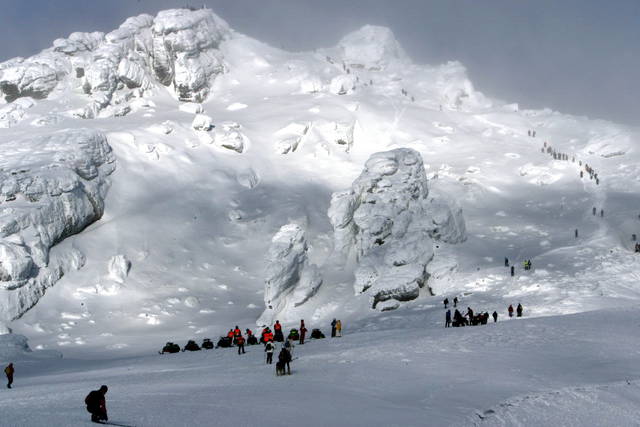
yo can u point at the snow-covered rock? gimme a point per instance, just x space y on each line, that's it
51 187
344 84
388 220
202 122
371 47
185 50
229 136
119 267
15 112
290 137
338 133
290 279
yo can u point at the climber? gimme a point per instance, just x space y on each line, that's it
269 348
513 271
601 213
303 331
339 328
285 358
231 336
510 310
447 319
495 316
576 233
519 310
277 327
593 211
446 303
469 314
333 328
240 343
506 262
96 405
455 302
9 371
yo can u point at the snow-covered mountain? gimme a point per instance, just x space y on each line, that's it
173 178
146 172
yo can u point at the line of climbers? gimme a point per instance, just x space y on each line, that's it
593 175
473 319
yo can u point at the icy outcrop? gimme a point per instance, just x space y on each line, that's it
371 47
338 133
202 122
457 91
290 137
177 48
51 187
228 136
34 77
290 279
119 267
388 220
185 50
13 113
344 84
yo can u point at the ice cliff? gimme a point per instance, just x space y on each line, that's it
51 187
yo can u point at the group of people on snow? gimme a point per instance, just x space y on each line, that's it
470 318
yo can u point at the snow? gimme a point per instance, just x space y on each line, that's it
120 171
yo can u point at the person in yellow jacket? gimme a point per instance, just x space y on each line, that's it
9 373
339 328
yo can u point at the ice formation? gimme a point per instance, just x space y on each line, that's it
390 222
177 48
51 187
291 280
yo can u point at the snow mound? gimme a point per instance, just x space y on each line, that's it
291 280
389 221
229 137
51 187
371 47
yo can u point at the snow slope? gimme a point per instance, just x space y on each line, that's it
523 372
194 193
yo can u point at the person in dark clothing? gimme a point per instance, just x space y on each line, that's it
513 271
510 310
506 262
285 357
519 310
303 331
469 314
9 371
601 213
446 302
240 343
593 211
447 319
277 328
269 349
333 328
455 302
96 404
495 316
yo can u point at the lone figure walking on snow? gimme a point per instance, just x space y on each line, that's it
9 370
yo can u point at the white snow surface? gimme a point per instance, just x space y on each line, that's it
142 230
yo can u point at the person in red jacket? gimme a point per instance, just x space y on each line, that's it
302 331
96 404
278 331
240 343
237 332
510 310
